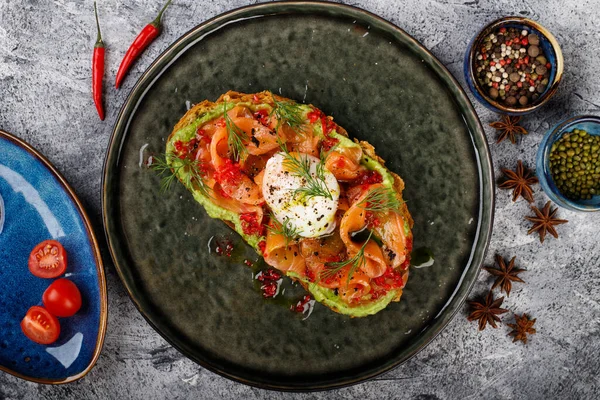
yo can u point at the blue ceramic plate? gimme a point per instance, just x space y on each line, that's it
38 204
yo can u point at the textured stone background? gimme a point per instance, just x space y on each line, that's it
45 52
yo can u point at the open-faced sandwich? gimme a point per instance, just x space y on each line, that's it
316 205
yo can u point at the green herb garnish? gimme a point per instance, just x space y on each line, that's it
290 113
287 229
332 268
381 200
235 137
169 166
314 185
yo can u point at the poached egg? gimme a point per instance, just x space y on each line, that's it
310 216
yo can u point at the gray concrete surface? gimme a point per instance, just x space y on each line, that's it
45 52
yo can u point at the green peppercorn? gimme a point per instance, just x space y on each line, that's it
575 164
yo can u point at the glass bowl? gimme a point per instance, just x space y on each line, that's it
588 123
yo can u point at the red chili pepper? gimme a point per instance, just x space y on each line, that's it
98 69
143 40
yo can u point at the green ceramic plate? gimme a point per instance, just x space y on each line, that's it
382 86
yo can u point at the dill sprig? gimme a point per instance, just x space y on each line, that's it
290 113
169 166
332 268
235 137
381 200
286 229
315 185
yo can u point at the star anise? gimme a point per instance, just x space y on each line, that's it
523 326
520 181
544 221
505 275
487 311
509 128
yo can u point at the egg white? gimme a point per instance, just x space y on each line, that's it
311 217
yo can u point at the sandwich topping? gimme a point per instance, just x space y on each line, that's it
319 207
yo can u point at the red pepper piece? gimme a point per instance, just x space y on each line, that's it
329 143
98 69
269 275
369 178
327 125
269 289
250 224
262 245
313 116
143 40
371 220
262 116
300 305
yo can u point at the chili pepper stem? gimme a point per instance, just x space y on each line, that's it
157 20
99 42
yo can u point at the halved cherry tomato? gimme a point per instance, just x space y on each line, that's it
48 259
40 326
62 298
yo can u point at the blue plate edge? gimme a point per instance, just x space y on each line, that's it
97 257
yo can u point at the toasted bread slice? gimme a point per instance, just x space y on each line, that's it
207 114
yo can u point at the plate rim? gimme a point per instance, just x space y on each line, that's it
482 235
102 287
